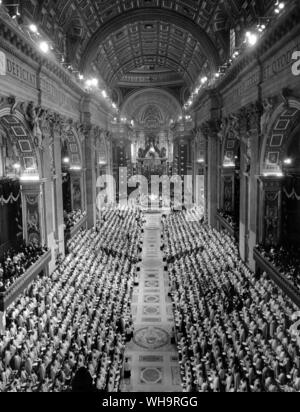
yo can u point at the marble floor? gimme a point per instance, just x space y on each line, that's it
154 360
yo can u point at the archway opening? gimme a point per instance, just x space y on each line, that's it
229 211
18 165
72 182
291 192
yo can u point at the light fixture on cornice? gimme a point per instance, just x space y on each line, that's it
92 83
251 38
44 47
17 166
280 6
33 28
66 160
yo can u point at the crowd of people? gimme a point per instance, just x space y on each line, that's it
71 219
286 260
16 262
230 218
120 232
75 322
235 331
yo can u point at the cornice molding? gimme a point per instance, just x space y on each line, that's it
282 31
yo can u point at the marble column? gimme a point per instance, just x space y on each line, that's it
250 165
212 178
90 176
48 191
57 187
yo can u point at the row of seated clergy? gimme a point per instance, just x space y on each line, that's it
78 317
234 330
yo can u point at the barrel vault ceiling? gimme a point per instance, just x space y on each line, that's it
143 42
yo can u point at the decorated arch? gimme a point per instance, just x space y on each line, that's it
21 210
72 143
282 124
21 155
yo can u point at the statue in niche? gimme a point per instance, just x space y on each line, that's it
234 126
268 107
163 153
33 116
9 152
248 154
223 130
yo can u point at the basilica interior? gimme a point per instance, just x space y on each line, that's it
149 196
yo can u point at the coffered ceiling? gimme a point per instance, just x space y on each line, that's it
143 41
154 45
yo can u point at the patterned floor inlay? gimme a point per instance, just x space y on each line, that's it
151 299
152 276
151 310
151 320
151 338
152 284
151 359
151 375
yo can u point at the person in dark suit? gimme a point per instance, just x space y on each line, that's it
83 382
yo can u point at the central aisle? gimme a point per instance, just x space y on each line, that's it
153 359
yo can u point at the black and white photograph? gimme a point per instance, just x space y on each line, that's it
149 199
